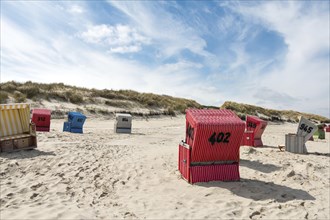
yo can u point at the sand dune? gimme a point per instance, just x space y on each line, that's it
103 175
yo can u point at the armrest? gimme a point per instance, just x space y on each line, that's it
33 129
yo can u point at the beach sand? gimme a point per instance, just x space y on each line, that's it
103 175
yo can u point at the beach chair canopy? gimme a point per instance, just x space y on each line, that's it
306 128
76 119
214 135
255 124
15 119
123 120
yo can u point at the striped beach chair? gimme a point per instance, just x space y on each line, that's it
41 118
211 148
295 143
16 131
254 128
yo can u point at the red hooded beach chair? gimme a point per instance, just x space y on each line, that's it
254 128
41 118
327 128
211 149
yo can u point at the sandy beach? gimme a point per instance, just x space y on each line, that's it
104 175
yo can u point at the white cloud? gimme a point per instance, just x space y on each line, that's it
304 74
41 46
121 38
168 33
76 9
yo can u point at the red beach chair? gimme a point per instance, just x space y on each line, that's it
41 118
255 127
327 128
211 151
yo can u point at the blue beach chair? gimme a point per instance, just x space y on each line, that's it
75 122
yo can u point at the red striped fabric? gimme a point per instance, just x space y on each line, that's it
41 118
223 125
258 128
219 172
184 161
327 129
248 139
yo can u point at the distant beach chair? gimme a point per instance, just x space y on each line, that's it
254 128
321 131
75 122
295 143
211 148
327 128
123 123
41 118
16 131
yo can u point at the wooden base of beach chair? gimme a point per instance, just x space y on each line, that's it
19 142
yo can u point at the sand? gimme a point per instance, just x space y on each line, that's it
103 175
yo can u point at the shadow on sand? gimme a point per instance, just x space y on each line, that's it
319 154
256 165
260 190
23 154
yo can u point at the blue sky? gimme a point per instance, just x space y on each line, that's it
273 54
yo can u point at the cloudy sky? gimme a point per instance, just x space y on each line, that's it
273 54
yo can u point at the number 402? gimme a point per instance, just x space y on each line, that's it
219 138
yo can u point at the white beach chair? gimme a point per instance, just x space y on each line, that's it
295 143
123 123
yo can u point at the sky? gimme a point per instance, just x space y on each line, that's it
273 54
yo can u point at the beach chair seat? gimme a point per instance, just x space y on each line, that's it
123 123
41 118
257 126
295 143
16 130
75 122
211 148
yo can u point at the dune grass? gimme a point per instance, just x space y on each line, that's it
271 114
128 100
